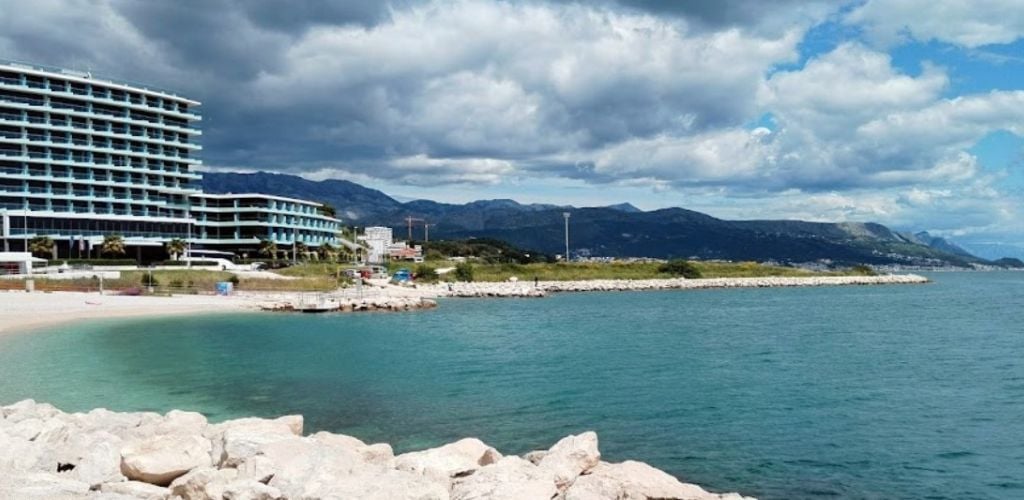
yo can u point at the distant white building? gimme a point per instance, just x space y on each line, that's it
379 240
18 262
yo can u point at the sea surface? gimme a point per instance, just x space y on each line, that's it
903 391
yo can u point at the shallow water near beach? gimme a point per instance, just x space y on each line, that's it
912 391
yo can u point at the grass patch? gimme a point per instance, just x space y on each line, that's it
572 271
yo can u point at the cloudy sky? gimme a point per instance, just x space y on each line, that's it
905 112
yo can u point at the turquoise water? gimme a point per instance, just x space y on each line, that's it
848 392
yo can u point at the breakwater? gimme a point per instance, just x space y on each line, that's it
540 288
48 454
333 303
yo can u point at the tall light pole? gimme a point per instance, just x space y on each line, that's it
566 215
188 238
5 232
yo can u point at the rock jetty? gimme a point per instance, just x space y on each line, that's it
48 454
541 288
335 304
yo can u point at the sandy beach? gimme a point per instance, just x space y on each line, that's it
20 311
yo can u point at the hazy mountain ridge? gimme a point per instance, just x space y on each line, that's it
615 230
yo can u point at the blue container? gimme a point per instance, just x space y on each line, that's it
224 287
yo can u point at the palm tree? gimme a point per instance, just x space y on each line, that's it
41 245
176 248
268 248
113 244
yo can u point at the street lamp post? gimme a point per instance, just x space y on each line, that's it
188 238
566 215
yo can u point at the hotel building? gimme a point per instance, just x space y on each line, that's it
237 222
82 158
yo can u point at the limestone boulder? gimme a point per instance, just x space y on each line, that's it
570 457
204 483
162 459
122 425
534 457
95 457
247 489
42 486
636 481
303 467
28 408
234 440
21 455
511 478
451 460
379 453
135 489
385 484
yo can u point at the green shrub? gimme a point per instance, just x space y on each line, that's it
149 280
234 280
426 273
862 270
680 267
464 272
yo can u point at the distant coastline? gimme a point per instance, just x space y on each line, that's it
22 312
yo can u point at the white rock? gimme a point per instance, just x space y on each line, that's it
339 440
28 408
40 485
450 460
243 436
570 457
96 457
634 481
161 459
378 453
247 489
308 468
511 478
535 456
204 483
136 489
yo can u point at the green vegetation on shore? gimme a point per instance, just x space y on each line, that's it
569 271
182 281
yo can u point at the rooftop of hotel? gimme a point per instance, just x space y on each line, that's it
90 77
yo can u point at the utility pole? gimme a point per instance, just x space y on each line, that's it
409 220
5 232
426 232
566 215
188 238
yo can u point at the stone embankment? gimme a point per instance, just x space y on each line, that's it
49 454
539 289
343 304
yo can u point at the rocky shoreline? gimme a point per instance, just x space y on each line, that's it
382 296
48 454
541 288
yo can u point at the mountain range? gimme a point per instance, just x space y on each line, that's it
619 230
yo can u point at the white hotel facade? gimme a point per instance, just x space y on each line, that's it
82 158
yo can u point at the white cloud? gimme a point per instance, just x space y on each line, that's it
970 24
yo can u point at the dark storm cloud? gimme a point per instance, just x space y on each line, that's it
756 15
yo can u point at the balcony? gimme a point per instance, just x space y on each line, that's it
103 96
